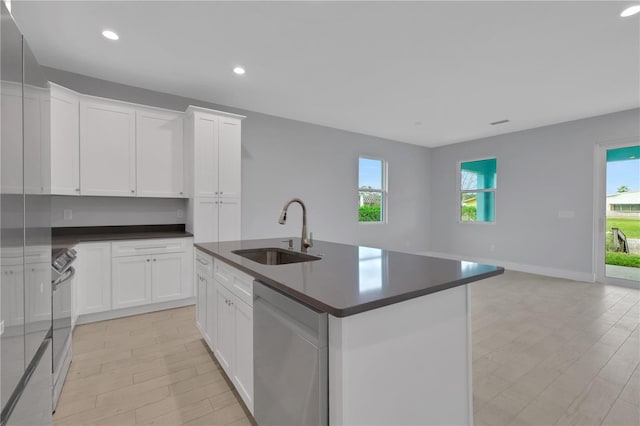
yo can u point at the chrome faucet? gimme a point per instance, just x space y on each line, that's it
305 242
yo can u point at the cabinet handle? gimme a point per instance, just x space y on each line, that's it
221 192
216 192
155 260
181 192
150 247
148 260
133 191
203 262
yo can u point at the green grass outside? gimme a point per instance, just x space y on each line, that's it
630 227
622 259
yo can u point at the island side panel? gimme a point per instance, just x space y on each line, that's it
403 364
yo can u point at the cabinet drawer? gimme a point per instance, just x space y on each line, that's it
238 282
204 262
153 246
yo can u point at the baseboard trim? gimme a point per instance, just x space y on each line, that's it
135 310
521 267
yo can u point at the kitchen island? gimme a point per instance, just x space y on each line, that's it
398 327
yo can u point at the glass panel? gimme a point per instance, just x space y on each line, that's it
369 206
477 207
370 174
478 174
622 248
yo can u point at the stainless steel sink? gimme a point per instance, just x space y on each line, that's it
275 256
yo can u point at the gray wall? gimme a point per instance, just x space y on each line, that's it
284 158
541 172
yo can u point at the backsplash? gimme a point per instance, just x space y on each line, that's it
110 211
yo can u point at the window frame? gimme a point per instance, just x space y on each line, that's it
460 191
384 191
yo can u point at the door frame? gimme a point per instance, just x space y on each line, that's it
599 210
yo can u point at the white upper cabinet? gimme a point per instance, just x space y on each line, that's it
229 148
160 154
65 141
107 148
205 133
213 147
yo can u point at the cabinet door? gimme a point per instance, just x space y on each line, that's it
65 142
229 211
131 282
243 353
160 152
201 301
225 329
229 164
205 220
107 149
211 312
205 155
93 278
167 273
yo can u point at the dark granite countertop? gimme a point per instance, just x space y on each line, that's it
352 279
67 237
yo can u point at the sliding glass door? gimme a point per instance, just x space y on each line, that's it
618 251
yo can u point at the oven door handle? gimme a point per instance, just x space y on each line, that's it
71 272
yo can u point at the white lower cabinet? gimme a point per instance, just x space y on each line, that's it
111 277
93 289
131 281
201 301
225 330
243 351
211 312
168 275
224 314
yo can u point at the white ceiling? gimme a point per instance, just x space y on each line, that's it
427 73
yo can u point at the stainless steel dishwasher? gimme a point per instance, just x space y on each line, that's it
291 374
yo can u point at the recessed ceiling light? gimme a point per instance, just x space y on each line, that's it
630 11
239 70
110 35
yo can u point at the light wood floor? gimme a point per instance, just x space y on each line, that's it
146 369
555 352
545 352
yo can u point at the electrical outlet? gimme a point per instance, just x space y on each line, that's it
180 213
68 214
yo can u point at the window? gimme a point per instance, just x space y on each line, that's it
478 190
371 190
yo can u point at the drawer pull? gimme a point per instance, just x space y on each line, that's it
150 247
203 262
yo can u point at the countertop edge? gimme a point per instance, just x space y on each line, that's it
345 312
76 235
